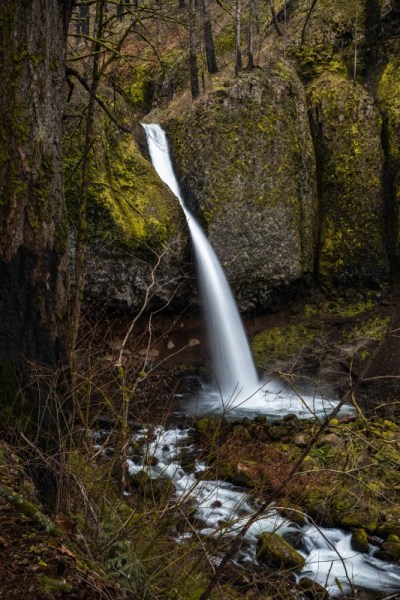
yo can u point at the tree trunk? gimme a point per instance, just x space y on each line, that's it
84 19
212 66
275 18
250 57
238 24
33 222
194 75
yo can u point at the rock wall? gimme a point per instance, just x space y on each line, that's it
245 158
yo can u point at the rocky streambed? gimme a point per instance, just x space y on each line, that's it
336 527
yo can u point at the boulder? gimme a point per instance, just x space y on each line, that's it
272 549
245 159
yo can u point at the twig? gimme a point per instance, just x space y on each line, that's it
70 71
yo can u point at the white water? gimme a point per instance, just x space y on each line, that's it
238 390
222 510
235 373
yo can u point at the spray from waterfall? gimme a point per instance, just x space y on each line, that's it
235 373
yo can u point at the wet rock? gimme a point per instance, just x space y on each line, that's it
390 524
274 550
239 192
352 244
291 419
359 540
390 551
244 474
148 487
295 539
292 512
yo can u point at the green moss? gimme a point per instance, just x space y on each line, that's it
359 540
272 549
312 61
371 330
138 91
225 41
388 95
127 202
48 585
281 342
352 245
213 147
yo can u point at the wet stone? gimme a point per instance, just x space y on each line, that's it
274 550
359 540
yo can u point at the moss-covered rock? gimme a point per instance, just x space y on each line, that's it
359 540
245 158
272 549
133 221
347 128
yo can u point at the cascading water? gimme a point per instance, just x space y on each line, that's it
238 386
235 372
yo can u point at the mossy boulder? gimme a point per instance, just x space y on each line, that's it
347 130
359 540
390 551
272 549
143 484
133 223
245 158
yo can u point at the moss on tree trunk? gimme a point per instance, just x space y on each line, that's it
33 228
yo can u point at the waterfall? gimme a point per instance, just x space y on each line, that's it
234 369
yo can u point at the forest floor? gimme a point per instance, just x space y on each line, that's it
35 563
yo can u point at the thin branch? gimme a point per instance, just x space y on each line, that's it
69 71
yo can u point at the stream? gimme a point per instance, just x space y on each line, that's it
221 509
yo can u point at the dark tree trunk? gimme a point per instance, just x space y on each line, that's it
238 25
120 11
194 75
250 57
275 18
84 19
33 224
212 66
